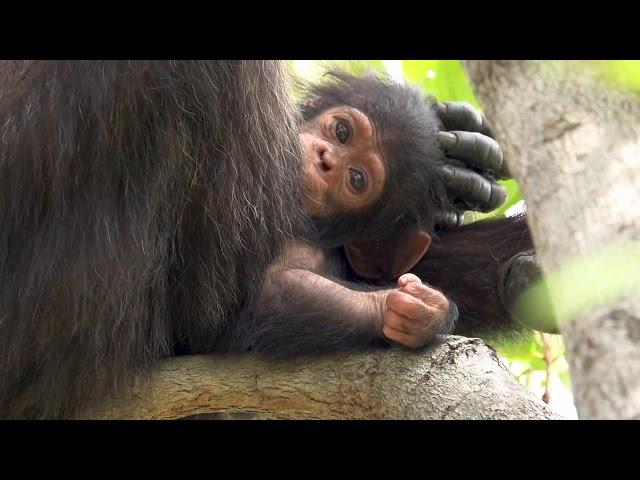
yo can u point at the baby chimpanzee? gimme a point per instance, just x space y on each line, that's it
378 182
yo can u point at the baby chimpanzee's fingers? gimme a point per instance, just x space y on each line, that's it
412 307
398 322
477 150
428 295
477 192
407 278
462 116
401 337
411 284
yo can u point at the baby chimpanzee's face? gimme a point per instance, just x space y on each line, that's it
343 164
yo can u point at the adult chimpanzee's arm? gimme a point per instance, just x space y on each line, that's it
304 312
136 199
483 266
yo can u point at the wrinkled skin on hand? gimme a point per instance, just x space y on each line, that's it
414 314
476 162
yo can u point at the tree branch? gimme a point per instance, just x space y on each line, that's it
571 137
459 379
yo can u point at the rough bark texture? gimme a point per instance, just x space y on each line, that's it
573 143
460 379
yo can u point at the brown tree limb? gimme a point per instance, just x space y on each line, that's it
460 379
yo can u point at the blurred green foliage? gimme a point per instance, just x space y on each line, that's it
443 79
602 278
623 74
526 360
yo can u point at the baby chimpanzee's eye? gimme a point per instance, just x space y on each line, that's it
357 179
343 131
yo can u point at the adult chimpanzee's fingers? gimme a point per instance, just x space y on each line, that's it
449 218
477 192
462 116
476 145
477 150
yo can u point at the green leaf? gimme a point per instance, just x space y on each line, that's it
565 378
623 74
444 79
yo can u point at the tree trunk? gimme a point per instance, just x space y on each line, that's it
572 140
460 379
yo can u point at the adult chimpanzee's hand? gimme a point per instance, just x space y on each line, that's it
476 161
414 314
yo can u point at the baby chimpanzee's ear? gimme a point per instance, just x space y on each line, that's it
371 258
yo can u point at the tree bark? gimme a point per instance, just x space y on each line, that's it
572 140
460 379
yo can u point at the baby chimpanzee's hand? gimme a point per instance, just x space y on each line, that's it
414 314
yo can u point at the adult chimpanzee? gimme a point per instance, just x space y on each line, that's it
377 182
141 203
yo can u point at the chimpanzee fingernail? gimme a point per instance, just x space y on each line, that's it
404 279
447 139
448 172
442 107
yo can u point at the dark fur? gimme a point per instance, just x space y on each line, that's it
295 316
465 263
140 203
406 123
